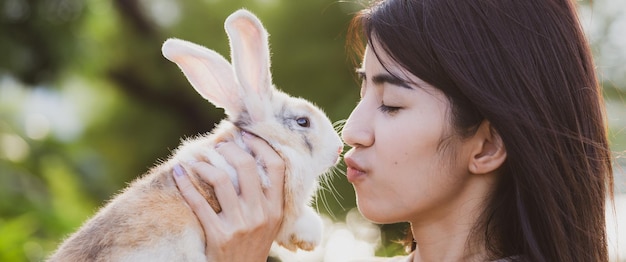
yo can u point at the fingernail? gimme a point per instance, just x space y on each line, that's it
179 171
245 134
219 144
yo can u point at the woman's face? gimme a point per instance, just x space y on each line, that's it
405 163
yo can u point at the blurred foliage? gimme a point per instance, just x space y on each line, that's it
88 103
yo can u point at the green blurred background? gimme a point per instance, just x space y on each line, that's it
88 103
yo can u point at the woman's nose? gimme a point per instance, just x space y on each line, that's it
357 131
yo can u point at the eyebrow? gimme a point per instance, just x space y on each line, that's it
384 78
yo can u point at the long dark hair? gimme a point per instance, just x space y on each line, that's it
526 67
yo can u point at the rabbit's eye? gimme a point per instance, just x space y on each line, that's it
303 122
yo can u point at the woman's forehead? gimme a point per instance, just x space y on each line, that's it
376 55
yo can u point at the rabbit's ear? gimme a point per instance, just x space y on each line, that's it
251 61
208 72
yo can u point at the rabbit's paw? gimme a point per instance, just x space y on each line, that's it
306 232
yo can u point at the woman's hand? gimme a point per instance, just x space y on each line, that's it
249 222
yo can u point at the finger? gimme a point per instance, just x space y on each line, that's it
194 199
222 185
274 166
246 168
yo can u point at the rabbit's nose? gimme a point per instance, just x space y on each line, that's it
339 150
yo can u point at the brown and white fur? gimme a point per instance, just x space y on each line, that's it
150 221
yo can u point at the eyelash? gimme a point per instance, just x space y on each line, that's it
388 109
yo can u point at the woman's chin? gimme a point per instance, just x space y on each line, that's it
376 214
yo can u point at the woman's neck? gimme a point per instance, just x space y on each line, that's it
446 234
448 246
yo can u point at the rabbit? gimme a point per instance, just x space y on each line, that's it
149 220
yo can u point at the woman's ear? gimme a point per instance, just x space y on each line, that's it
488 152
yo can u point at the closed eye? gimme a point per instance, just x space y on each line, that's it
388 109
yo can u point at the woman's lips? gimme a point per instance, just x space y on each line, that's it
353 172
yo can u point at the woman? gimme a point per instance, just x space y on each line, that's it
481 123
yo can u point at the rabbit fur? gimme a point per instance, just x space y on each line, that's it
150 221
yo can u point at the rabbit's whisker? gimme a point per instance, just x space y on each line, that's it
339 124
327 187
323 189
